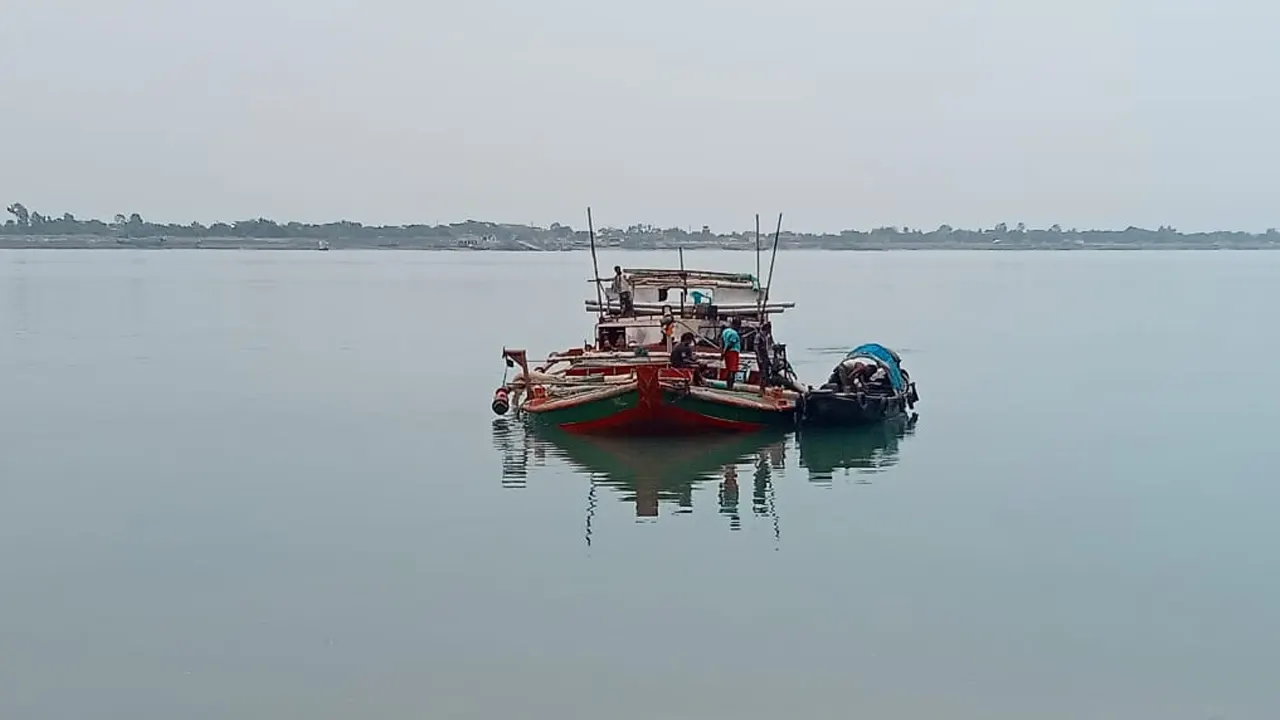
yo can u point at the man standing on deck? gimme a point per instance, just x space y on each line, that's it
731 340
668 327
623 287
764 352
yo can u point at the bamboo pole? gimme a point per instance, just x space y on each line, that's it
684 283
595 265
757 247
769 287
747 307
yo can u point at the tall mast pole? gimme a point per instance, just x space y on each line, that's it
595 265
684 282
767 288
757 247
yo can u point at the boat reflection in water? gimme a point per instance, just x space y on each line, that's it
861 451
651 472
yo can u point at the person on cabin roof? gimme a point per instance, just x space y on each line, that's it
622 286
731 341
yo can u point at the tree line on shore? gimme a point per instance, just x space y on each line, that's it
26 222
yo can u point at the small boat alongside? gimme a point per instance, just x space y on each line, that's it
868 386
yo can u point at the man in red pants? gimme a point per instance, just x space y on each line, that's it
731 341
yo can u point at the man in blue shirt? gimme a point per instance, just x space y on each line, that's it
731 341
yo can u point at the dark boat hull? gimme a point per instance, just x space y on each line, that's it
828 408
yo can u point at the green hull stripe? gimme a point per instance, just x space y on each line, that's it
600 409
726 411
593 410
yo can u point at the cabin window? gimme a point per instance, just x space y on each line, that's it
662 294
613 338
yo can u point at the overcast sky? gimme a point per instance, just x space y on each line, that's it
1088 113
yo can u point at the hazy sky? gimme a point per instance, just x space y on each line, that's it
1089 113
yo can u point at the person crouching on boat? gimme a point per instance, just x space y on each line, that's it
683 356
731 341
876 380
855 373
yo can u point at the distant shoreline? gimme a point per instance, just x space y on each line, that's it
27 228
33 242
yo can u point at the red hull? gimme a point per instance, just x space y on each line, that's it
662 420
663 405
658 400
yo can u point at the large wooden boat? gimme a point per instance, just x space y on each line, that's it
622 382
652 398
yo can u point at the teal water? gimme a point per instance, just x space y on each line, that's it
269 485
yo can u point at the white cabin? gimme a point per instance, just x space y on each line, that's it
699 302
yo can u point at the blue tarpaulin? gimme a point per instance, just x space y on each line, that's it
884 355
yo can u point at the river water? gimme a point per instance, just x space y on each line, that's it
269 485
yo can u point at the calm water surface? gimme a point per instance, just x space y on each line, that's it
268 485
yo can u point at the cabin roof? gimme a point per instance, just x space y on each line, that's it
674 277
653 318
